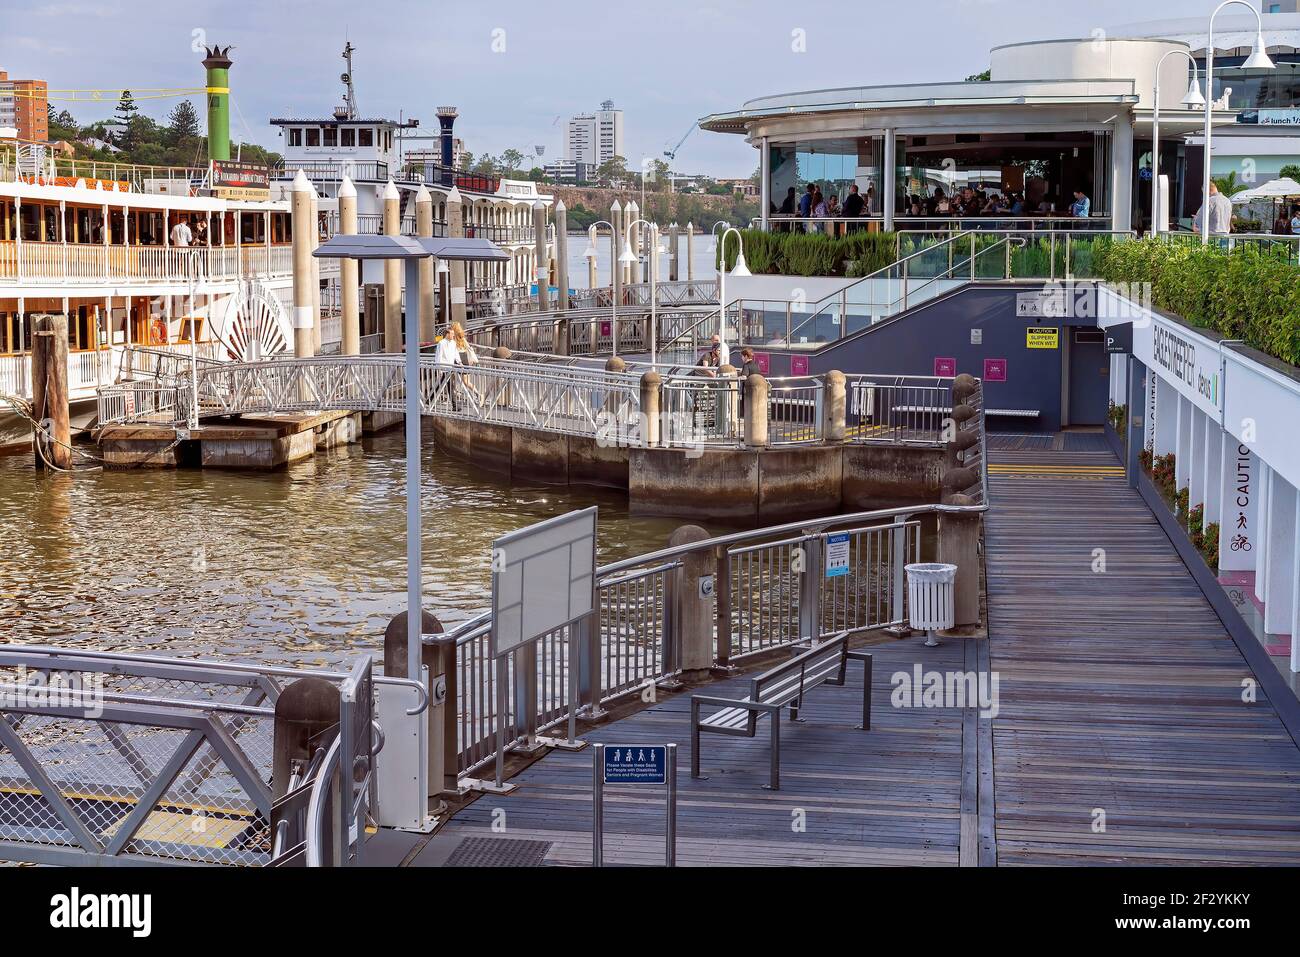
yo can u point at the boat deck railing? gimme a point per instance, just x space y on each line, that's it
116 757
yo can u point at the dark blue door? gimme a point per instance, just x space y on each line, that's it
1089 376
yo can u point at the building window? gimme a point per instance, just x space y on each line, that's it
295 136
313 136
331 136
348 137
366 136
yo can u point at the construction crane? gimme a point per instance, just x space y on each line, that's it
672 153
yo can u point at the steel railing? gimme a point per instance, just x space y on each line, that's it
771 592
109 757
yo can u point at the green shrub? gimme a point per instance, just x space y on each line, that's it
1252 293
814 254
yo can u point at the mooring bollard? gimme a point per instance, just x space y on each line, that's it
650 384
692 603
834 407
756 390
305 710
959 535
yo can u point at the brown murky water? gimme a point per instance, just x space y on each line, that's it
304 565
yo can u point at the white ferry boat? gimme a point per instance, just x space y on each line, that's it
94 241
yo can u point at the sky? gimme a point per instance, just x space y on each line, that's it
517 70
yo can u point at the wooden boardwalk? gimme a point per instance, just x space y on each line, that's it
1122 736
1121 691
893 795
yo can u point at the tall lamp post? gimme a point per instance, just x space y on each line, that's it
410 251
1191 100
1258 60
590 256
740 269
652 262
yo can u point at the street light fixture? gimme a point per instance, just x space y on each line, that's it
1191 100
740 269
411 250
1258 60
614 260
653 252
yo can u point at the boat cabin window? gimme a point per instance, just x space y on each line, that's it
295 136
348 136
331 136
365 136
313 136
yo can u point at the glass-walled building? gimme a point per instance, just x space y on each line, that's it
1062 132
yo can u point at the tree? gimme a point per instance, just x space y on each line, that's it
183 121
486 165
611 172
1228 185
511 160
982 77
126 112
656 175
1291 171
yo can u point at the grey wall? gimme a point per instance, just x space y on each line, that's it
909 344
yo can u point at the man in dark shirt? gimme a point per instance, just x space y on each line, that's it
787 207
853 203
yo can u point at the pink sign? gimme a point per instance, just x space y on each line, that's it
798 365
945 366
763 360
606 329
995 370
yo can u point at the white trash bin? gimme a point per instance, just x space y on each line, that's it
930 605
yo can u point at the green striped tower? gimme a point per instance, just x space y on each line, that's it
217 64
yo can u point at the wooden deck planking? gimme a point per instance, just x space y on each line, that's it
1119 690
890 796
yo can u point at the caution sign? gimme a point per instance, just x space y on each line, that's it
1042 337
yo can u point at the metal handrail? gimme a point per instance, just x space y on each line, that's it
839 296
204 664
316 803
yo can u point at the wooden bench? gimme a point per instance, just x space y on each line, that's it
823 663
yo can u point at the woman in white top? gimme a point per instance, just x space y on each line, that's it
464 353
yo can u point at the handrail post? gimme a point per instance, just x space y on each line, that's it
590 691
810 590
692 627
898 556
722 592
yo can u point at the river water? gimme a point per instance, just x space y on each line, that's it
301 566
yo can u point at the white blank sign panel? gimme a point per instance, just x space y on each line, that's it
543 577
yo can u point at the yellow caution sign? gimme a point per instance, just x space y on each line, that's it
1042 337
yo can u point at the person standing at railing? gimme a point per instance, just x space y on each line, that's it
853 206
1220 214
1081 208
720 350
181 235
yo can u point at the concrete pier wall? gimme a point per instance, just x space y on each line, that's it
740 485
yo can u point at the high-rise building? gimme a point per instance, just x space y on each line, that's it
23 106
596 137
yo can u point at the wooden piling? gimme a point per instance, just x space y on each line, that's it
50 392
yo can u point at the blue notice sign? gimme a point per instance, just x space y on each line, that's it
635 764
837 555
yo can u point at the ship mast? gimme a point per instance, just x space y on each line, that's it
348 111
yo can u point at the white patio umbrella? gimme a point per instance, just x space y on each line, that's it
1273 189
